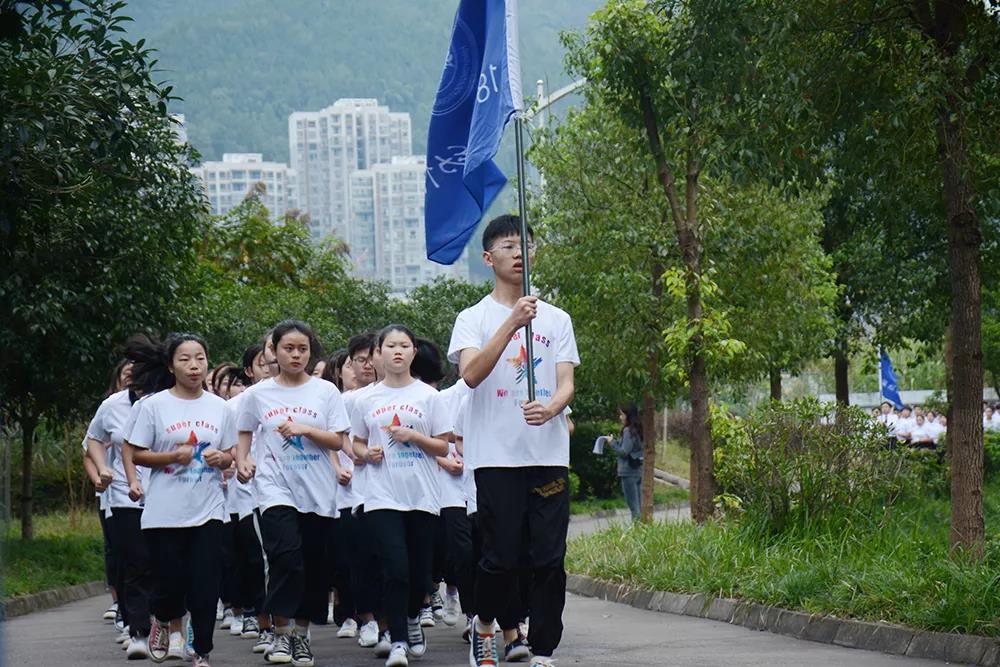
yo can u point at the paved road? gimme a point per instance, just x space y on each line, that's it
598 634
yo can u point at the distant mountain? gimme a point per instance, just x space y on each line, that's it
242 66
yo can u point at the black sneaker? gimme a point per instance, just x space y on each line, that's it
302 655
516 651
250 629
437 606
415 639
281 651
483 648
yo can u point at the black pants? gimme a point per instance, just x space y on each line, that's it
298 581
461 556
135 583
187 563
406 545
366 568
110 562
229 583
524 517
343 547
243 560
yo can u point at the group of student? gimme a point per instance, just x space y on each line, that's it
247 494
914 426
991 417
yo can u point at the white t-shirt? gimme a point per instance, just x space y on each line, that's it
497 435
453 486
922 433
990 424
350 495
937 430
407 477
294 472
183 496
904 425
108 426
888 420
240 498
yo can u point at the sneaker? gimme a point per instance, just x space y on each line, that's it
416 641
451 609
397 657
368 636
200 661
426 617
437 606
348 629
112 612
158 642
176 650
227 618
384 646
302 655
516 651
137 649
219 610
250 628
467 633
123 636
126 643
189 641
119 621
483 648
542 661
236 626
522 630
281 651
330 620
265 641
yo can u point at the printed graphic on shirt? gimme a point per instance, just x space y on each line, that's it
292 441
388 429
520 364
193 471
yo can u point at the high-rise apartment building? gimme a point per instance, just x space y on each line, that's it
228 182
327 146
388 225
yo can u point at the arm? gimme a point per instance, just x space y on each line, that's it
331 440
97 456
475 364
436 446
366 453
143 457
91 470
246 467
536 414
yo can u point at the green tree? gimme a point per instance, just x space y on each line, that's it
97 213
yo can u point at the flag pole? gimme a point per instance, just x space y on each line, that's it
525 257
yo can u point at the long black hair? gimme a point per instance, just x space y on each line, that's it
151 360
334 369
115 377
249 357
632 421
427 363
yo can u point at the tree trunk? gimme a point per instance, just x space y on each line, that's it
965 428
28 426
649 410
775 377
840 370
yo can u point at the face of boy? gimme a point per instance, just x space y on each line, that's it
506 259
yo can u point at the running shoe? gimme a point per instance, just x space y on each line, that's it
483 648
302 655
451 609
426 617
516 651
176 651
265 641
416 641
236 626
368 636
112 612
227 618
542 661
137 649
437 605
281 653
250 628
397 657
200 661
348 629
467 633
384 646
119 621
123 636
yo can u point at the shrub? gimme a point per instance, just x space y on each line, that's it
991 458
598 475
795 463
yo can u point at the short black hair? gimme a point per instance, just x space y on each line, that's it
501 227
364 341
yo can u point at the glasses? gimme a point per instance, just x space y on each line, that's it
361 361
511 248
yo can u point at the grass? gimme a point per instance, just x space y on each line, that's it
894 569
662 495
67 549
674 458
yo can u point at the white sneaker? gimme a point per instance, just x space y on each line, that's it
219 610
384 646
348 629
368 636
227 618
426 617
397 657
329 613
437 605
123 636
451 609
112 611
176 649
137 649
236 626
542 661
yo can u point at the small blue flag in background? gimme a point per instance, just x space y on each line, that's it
480 91
890 390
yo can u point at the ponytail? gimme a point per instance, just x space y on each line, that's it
151 360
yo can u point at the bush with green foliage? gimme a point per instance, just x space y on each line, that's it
598 474
991 459
794 463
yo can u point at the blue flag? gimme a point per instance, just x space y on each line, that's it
480 91
890 390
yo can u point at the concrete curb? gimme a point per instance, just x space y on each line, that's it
884 637
27 604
